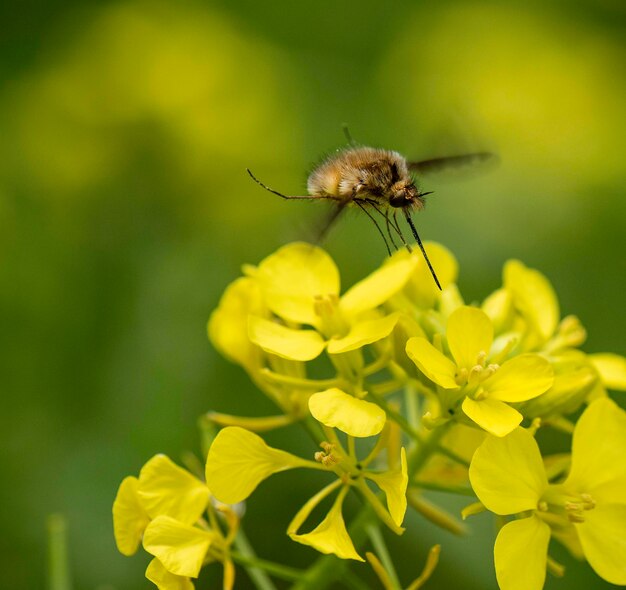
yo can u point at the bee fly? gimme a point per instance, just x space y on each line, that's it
378 182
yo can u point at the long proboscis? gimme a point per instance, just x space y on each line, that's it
407 215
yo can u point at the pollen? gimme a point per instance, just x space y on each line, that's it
326 457
576 509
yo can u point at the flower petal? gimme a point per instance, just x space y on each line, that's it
604 543
469 332
612 369
520 554
499 307
181 548
378 287
568 392
296 345
493 415
293 276
165 580
228 325
349 414
309 506
598 447
533 296
363 333
331 536
523 377
394 484
167 489
434 364
239 461
129 517
507 473
421 289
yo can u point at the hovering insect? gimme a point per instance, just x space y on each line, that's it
379 182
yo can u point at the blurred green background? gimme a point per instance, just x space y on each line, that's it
125 210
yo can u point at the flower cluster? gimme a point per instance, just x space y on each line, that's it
418 390
164 507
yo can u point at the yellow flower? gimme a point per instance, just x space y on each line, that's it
595 489
330 536
509 478
482 389
300 285
180 547
164 507
228 324
163 488
239 460
534 300
611 368
574 381
526 316
351 415
129 517
165 580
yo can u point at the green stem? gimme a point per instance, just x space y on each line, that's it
277 569
414 434
376 504
449 489
378 365
384 387
300 382
312 426
58 569
418 458
246 556
329 568
412 409
378 541
352 448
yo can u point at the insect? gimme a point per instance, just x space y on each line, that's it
379 182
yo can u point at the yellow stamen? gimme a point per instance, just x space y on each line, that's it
461 377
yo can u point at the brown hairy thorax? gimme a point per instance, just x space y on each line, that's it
370 173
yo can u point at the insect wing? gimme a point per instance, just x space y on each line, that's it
331 218
435 165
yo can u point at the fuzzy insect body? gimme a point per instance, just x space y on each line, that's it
379 182
366 173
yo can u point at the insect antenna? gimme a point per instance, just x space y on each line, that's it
419 243
380 231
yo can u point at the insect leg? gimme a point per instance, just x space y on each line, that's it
267 188
380 231
419 243
388 222
397 228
